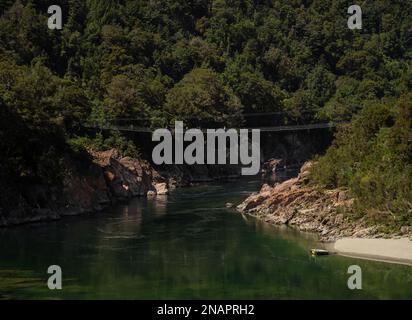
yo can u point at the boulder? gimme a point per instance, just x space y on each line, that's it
161 188
126 177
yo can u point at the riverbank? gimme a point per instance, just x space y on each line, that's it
186 245
308 208
387 250
299 204
89 184
90 181
97 181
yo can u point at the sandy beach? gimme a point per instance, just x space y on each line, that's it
388 250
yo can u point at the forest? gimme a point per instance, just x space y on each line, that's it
210 63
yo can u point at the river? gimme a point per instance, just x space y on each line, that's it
183 246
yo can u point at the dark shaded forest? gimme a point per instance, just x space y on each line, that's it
211 63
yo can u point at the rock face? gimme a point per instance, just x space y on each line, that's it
83 190
91 184
161 188
309 208
125 177
86 188
295 148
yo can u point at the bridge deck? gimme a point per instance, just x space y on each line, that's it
131 128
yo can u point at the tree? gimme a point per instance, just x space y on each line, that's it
201 99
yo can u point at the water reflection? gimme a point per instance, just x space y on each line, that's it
185 245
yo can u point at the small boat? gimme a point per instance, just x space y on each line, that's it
319 252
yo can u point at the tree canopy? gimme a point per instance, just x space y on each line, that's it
208 62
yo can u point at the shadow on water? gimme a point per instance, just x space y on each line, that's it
181 246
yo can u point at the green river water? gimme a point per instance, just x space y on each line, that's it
183 246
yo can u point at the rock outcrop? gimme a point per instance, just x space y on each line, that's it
309 208
125 177
96 181
83 190
88 186
161 188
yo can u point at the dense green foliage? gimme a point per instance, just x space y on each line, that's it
373 158
210 62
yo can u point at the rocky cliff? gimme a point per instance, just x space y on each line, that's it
297 203
85 188
90 185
